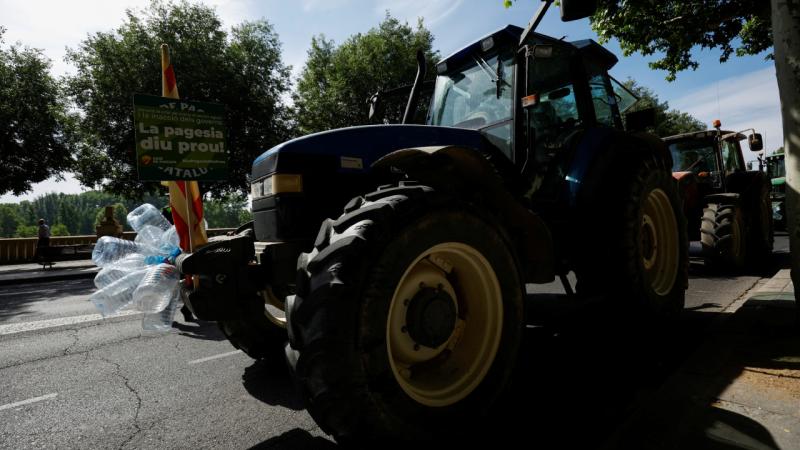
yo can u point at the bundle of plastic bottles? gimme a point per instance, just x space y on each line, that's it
140 275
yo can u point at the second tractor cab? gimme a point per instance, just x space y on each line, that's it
776 172
727 206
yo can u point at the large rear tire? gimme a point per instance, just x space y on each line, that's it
407 320
635 247
723 236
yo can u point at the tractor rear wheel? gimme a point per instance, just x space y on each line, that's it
259 329
636 244
723 236
407 320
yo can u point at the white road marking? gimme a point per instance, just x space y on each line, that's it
22 327
28 401
222 355
21 292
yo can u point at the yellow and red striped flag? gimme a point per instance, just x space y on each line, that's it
184 196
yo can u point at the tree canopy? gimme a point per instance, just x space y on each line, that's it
336 81
669 122
672 28
241 69
36 141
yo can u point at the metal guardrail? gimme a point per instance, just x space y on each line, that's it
19 250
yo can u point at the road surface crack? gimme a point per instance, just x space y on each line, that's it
75 338
119 372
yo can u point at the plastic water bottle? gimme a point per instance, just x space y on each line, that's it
162 321
171 237
119 269
147 214
149 235
158 286
117 295
109 249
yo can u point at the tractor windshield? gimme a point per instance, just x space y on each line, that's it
693 155
776 167
475 95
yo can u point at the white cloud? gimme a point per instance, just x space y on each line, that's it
750 100
433 11
69 185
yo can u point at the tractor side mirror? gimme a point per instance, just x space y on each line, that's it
577 9
755 142
640 120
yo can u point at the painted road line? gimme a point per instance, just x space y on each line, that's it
222 355
29 401
22 327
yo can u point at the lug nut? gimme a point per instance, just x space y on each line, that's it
404 329
416 347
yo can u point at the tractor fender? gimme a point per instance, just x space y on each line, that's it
471 174
723 197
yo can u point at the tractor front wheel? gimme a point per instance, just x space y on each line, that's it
407 320
723 236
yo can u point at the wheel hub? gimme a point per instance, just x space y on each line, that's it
649 242
431 317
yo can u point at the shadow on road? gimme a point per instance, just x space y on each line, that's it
207 331
271 383
590 378
296 439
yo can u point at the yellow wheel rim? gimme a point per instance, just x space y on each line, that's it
659 242
274 308
464 284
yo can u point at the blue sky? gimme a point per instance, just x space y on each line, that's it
742 92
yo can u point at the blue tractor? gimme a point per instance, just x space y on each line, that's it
394 258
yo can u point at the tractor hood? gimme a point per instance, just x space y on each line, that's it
355 149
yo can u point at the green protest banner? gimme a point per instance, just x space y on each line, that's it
179 140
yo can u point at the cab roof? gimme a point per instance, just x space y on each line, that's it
706 134
511 34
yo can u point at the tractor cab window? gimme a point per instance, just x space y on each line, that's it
697 156
554 111
776 167
730 156
604 100
476 95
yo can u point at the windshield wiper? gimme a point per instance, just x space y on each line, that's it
487 68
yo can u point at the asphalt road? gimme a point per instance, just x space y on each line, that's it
69 380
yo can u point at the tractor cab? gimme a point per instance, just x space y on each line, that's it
531 96
713 156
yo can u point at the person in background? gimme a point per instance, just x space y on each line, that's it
44 234
187 313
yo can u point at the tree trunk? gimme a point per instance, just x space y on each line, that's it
786 32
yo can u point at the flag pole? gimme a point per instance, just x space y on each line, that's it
188 218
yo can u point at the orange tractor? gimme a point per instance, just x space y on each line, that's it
728 208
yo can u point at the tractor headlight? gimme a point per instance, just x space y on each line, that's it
279 183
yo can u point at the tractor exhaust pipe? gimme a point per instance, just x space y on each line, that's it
413 98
